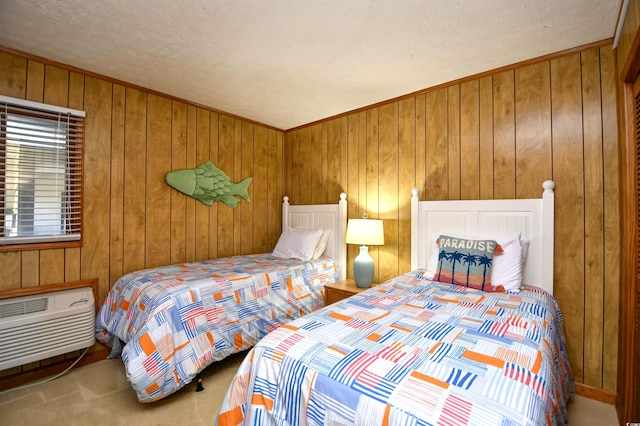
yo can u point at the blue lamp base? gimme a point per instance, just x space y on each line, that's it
363 268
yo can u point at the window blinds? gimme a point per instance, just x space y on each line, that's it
41 151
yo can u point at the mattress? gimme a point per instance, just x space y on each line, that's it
175 320
413 352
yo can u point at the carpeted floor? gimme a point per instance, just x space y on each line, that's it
99 394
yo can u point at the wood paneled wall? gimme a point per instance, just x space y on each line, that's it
132 218
496 136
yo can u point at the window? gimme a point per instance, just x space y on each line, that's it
40 173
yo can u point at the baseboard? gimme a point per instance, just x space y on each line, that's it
20 379
595 393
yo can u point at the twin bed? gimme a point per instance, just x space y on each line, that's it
169 323
418 351
413 350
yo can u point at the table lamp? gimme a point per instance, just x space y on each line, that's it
364 232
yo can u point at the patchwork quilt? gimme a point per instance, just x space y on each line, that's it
410 352
177 319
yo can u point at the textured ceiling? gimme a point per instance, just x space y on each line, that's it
286 63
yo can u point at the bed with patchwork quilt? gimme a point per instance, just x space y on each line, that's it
177 319
170 322
410 352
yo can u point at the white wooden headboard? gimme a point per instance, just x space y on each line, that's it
533 218
322 216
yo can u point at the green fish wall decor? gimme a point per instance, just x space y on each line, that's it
208 183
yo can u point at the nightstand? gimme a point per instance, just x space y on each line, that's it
341 290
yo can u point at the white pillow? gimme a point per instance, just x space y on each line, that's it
507 267
297 244
322 244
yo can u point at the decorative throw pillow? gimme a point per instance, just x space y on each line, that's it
322 244
507 269
466 262
297 244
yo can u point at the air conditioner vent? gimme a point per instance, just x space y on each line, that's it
41 326
23 307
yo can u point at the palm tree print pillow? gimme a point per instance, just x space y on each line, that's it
466 262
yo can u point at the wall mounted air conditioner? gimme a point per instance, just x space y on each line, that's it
45 325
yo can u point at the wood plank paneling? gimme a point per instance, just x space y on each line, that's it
11 277
280 183
178 199
594 217
504 135
453 143
324 163
343 169
246 210
371 188
388 177
317 145
192 162
436 153
13 70
332 153
354 177
485 130
51 266
533 129
568 152
225 160
500 136
361 197
30 264
407 172
470 140
201 209
96 206
76 92
135 155
116 248
260 190
236 175
157 193
35 81
274 190
305 166
421 139
291 179
56 90
214 129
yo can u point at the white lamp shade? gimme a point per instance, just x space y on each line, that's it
366 232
